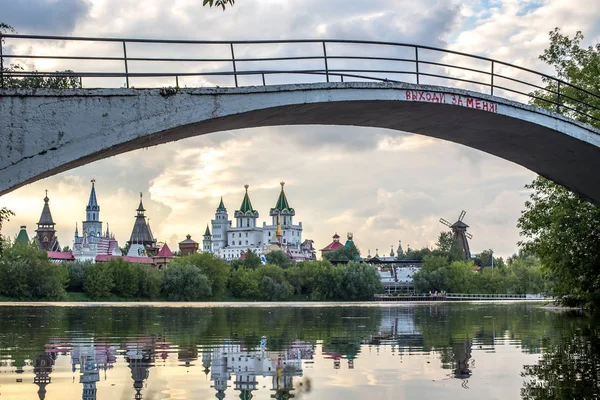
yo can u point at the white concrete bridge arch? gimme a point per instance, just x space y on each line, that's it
44 132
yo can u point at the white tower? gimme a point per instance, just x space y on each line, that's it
92 226
220 225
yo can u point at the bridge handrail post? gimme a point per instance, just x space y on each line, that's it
558 97
417 63
233 62
126 67
1 61
492 83
325 58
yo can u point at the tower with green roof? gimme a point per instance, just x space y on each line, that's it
219 226
22 237
292 234
246 216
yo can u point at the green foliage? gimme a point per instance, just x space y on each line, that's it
360 281
559 226
345 253
185 282
279 258
321 280
445 241
563 230
522 276
150 281
5 215
125 277
218 3
215 269
76 273
416 255
243 283
576 65
98 281
27 274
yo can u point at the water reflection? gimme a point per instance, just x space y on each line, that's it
448 350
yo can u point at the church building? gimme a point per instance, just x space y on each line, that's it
231 242
45 233
93 242
141 242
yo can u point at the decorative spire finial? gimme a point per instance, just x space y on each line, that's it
140 195
93 181
282 183
246 186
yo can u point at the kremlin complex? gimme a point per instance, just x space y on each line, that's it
226 238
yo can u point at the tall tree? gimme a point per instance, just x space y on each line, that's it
559 226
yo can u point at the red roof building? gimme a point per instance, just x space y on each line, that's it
131 259
60 256
164 256
335 245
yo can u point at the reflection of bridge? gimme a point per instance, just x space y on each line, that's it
69 128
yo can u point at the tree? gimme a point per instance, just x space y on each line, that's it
76 273
98 281
279 258
564 232
559 226
126 277
345 253
218 3
577 66
445 241
185 282
26 273
360 282
5 215
215 269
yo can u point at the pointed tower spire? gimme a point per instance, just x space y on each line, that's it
107 230
93 202
282 203
246 203
76 229
141 208
207 232
221 205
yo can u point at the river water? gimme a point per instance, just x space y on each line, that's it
330 351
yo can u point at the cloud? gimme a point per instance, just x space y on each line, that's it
382 185
44 16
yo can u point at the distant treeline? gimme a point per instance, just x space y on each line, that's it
26 273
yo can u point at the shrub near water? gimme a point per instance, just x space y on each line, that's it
185 282
26 273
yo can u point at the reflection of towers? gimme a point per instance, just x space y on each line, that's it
89 375
206 361
462 358
219 373
42 369
139 361
248 364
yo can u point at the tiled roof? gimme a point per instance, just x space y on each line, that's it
333 246
46 217
60 255
246 204
165 252
221 205
282 203
93 203
138 260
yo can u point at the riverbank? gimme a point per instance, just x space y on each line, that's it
241 304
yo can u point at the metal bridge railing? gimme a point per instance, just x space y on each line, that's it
327 60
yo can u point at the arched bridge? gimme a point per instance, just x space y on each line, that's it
46 131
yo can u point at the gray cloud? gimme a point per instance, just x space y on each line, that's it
44 16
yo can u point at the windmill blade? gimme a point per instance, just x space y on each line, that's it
462 215
443 221
469 235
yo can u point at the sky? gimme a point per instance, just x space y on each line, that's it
381 185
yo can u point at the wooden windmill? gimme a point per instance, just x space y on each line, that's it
460 234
